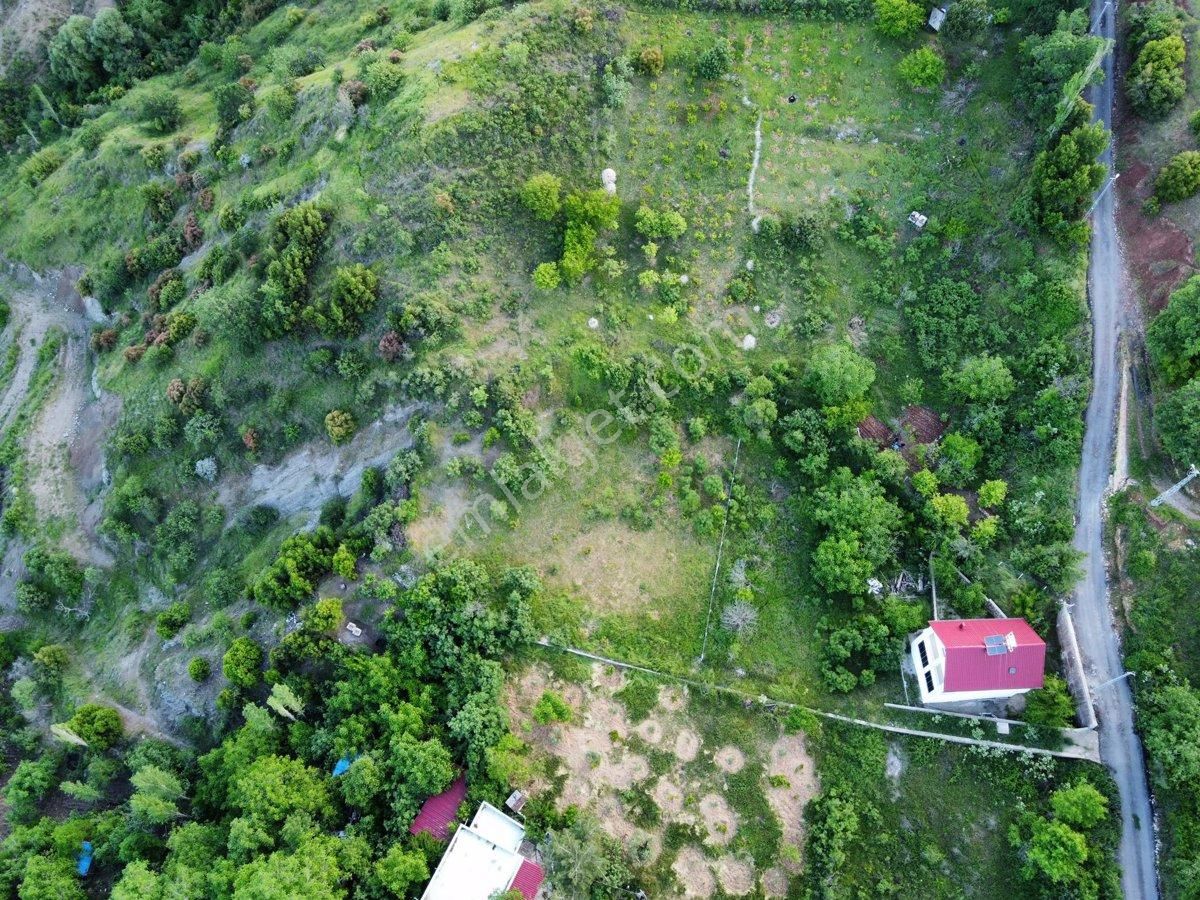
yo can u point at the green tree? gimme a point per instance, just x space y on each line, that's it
1179 178
138 882
551 708
966 20
1155 84
312 872
49 878
1178 419
160 110
345 563
50 662
324 616
981 379
923 68
1174 335
340 426
199 669
546 276
1065 177
242 663
156 795
1051 705
1173 735
898 18
950 511
582 861
836 374
31 780
1056 851
1080 805
400 869
992 493
72 58
957 456
542 195
99 725
715 61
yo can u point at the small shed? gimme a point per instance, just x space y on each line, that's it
937 16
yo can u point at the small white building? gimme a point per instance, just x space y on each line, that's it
977 659
483 859
937 16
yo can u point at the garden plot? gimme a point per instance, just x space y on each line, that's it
709 797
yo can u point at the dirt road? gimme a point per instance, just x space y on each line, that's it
1120 748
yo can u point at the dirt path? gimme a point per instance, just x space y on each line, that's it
64 445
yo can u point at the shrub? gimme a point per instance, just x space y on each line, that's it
551 708
242 662
99 725
1178 421
91 136
235 104
546 276
159 109
541 194
898 18
715 61
1179 178
354 293
172 619
41 166
650 61
383 78
340 426
923 68
665 224
1155 83
1194 123
966 20
199 669
1051 706
1064 178
345 563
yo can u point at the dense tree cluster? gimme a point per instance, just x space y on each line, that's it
1155 81
1174 342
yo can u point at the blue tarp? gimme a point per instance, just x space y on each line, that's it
85 859
341 767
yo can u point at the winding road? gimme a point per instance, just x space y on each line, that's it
1120 747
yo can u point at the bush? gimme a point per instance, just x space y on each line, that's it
898 18
546 276
541 195
41 166
235 104
383 78
665 224
1156 84
715 61
1178 421
199 669
99 725
172 619
650 61
1051 706
1179 178
242 663
551 708
354 293
923 68
159 109
340 426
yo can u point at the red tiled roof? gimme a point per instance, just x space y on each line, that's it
529 879
438 811
968 666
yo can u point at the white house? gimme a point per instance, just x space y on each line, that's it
977 659
484 859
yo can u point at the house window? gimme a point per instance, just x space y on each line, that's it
924 655
928 683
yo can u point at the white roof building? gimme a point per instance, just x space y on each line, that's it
483 859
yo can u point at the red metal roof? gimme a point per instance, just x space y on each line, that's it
968 666
529 879
438 811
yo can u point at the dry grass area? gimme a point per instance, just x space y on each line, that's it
690 792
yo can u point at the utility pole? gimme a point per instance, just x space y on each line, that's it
1099 17
1112 680
1175 488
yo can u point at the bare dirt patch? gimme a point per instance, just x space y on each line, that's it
687 745
790 766
730 759
719 820
668 796
693 872
650 731
775 883
736 875
672 699
1158 251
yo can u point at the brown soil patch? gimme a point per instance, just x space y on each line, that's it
789 759
650 731
1158 252
687 745
923 424
775 883
668 797
736 875
691 868
730 759
876 431
719 819
672 699
608 677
